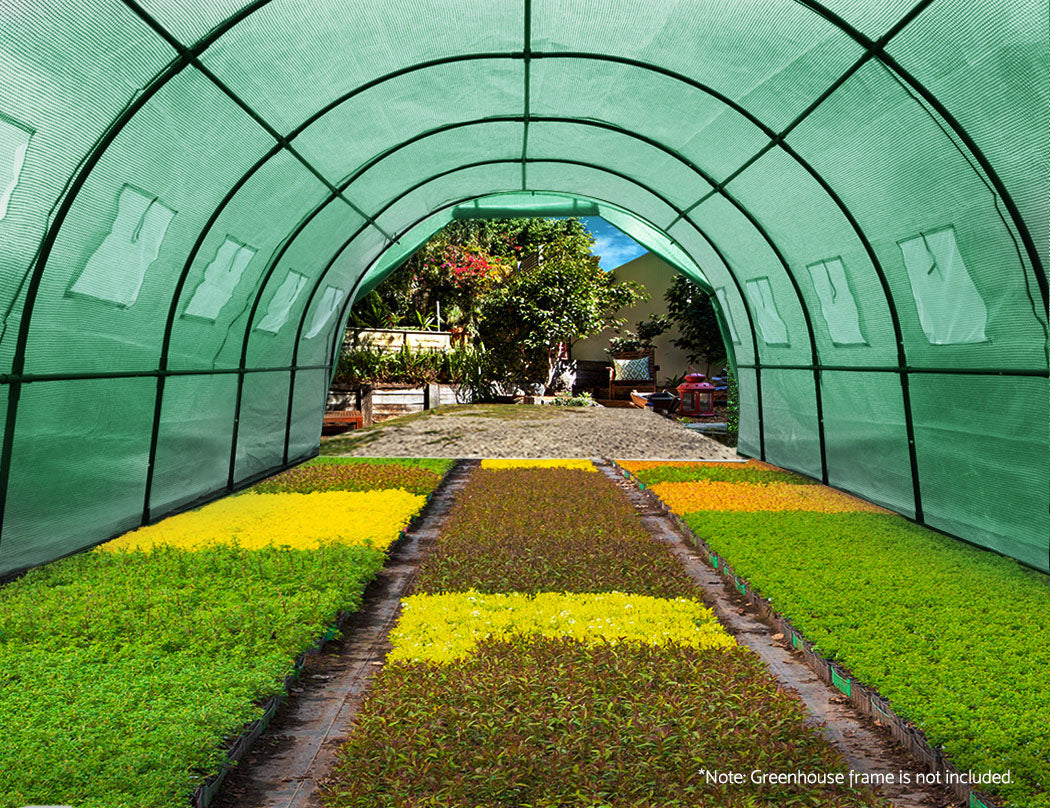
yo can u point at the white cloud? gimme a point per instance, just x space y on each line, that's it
612 246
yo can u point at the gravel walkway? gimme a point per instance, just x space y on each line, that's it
530 431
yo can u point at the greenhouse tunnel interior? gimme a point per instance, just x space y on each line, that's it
193 194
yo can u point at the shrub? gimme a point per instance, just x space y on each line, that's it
350 477
302 521
364 364
650 472
732 406
579 400
126 672
448 627
525 463
437 465
721 496
591 685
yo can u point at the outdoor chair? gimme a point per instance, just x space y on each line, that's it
632 370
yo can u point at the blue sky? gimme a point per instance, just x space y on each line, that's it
611 244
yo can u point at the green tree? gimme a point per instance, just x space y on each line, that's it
692 311
643 337
461 263
561 300
517 310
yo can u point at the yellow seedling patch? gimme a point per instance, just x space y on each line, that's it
446 627
710 495
496 463
299 521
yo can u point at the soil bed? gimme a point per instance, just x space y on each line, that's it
937 628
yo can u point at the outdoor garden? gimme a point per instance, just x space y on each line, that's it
514 296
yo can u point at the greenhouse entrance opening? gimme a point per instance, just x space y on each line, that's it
539 299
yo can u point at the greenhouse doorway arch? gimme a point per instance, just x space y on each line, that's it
191 195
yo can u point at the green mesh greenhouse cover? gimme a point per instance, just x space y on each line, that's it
193 193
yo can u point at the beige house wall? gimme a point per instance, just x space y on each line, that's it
655 275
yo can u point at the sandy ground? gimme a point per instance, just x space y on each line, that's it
530 431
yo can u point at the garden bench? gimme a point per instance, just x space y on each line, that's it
340 420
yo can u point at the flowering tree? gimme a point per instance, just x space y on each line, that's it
452 271
519 311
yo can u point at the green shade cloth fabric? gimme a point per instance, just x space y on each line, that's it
192 195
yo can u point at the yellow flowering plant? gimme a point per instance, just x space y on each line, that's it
497 463
447 627
713 495
298 521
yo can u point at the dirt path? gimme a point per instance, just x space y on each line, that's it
517 430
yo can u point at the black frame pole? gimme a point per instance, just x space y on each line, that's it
322 276
169 325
